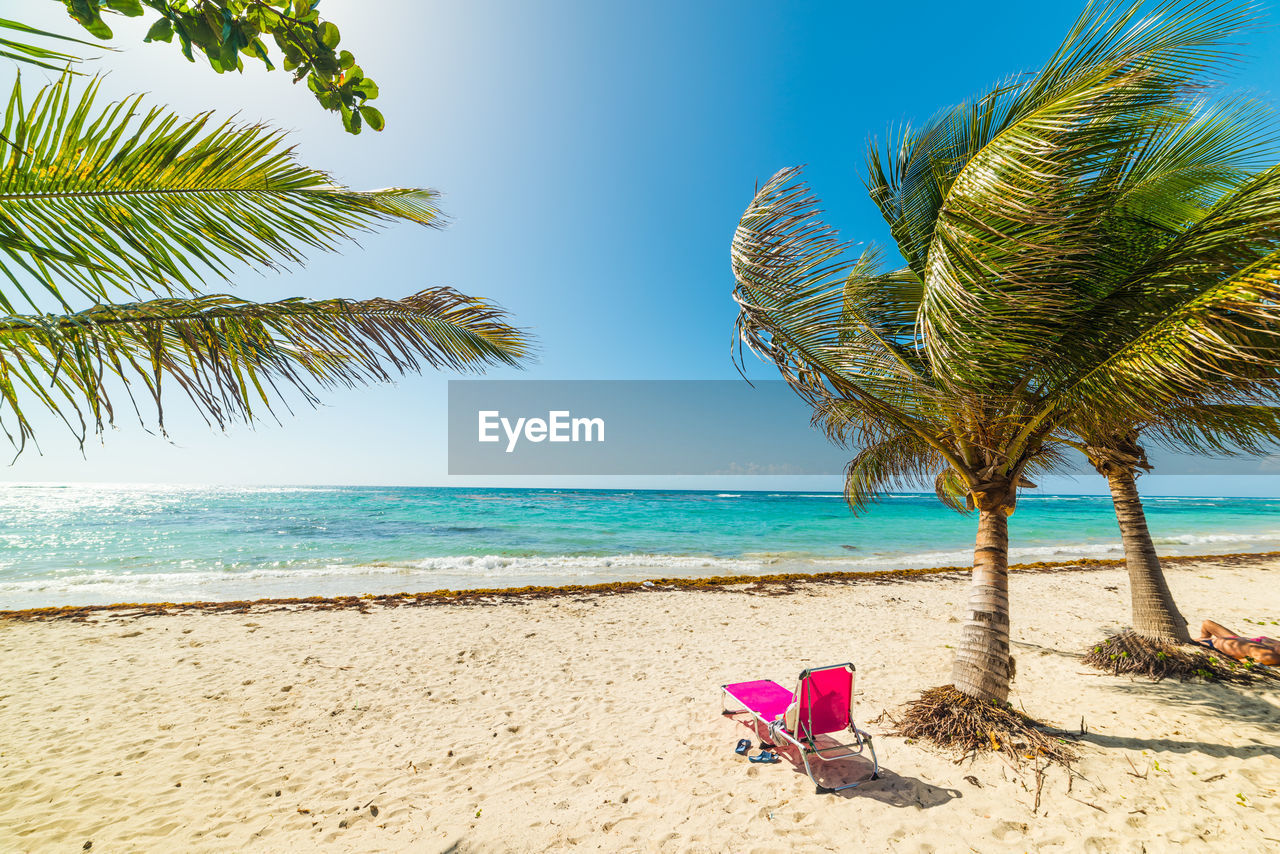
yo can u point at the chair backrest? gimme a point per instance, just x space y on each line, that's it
825 700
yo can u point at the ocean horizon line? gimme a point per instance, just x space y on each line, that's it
724 491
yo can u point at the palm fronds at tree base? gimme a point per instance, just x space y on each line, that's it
957 722
1129 653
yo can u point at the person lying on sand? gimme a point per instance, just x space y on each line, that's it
1263 650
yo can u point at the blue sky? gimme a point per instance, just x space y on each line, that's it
594 159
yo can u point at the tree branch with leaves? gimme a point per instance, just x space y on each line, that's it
224 32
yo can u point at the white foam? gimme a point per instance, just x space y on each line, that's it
520 570
495 564
1206 539
806 495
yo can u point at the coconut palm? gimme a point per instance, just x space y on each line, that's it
1172 179
114 217
843 336
1024 314
1119 456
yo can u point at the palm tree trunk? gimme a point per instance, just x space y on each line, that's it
1155 615
982 663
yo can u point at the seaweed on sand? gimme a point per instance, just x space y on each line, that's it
766 585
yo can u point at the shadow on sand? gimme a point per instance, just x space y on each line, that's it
889 788
1251 704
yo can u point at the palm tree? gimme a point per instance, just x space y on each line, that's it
1023 314
1119 458
1196 180
99 203
843 336
1118 455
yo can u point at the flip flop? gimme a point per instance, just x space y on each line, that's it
763 756
744 744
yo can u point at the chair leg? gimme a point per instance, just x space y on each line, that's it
804 757
865 739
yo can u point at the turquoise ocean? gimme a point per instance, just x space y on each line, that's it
97 544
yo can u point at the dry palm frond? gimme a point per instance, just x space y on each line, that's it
957 722
1131 654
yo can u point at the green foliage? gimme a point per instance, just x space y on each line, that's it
228 355
16 45
111 198
99 200
227 31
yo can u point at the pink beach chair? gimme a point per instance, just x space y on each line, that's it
825 707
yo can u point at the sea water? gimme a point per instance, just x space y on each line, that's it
96 544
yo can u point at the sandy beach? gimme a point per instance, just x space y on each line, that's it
593 723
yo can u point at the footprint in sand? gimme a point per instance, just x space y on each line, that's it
1007 831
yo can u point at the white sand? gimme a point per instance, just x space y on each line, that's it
546 725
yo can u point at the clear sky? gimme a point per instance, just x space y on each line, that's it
594 159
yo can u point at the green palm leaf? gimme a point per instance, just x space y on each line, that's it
792 291
1200 311
834 327
123 199
898 462
1219 429
996 203
19 48
229 356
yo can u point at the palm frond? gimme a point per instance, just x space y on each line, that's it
1202 310
20 48
1171 177
230 356
120 198
1016 233
898 462
799 302
1187 39
995 204
1221 429
952 491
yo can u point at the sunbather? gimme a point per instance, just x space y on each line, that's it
1263 650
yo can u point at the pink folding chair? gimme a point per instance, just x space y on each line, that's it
825 707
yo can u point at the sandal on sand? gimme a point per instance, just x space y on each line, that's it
763 756
744 744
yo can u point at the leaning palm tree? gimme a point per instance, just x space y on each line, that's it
970 361
1194 181
113 218
1157 624
843 335
1169 182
